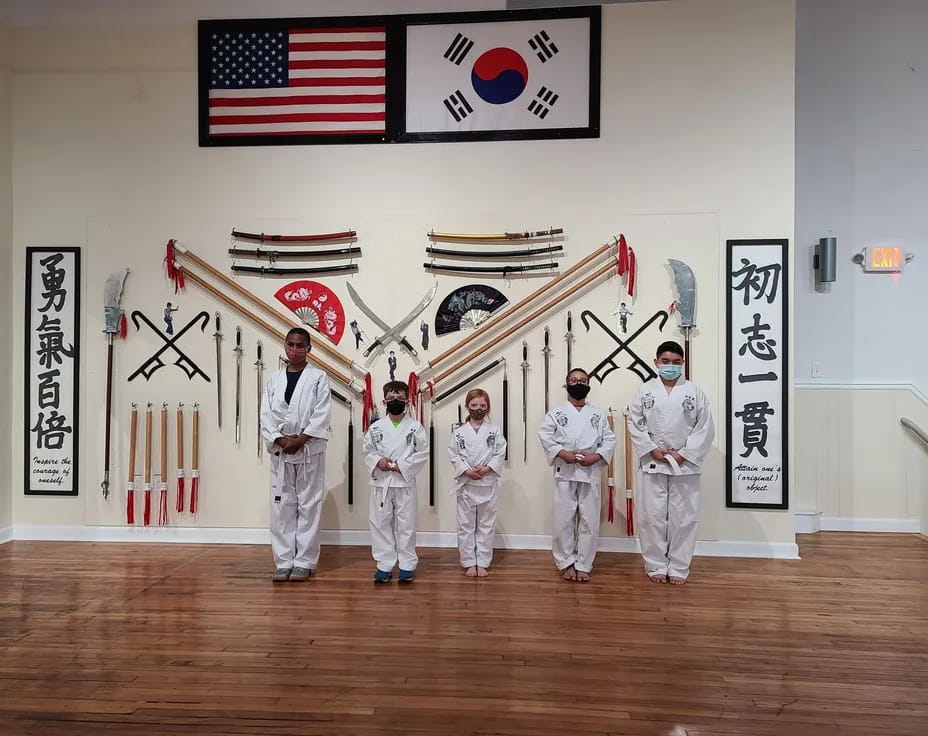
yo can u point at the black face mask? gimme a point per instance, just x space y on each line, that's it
577 391
478 415
396 406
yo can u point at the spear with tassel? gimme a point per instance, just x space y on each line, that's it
179 507
146 515
163 480
114 321
195 461
130 484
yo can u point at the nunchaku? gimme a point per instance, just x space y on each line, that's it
217 336
259 373
526 235
180 272
264 237
238 384
525 367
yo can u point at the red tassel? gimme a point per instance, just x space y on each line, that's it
367 411
163 509
672 308
180 494
194 494
632 267
629 523
146 517
413 383
123 326
622 265
130 507
175 272
610 514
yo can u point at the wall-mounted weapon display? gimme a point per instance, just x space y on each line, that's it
524 235
217 337
114 322
499 270
394 333
295 271
259 375
468 307
183 361
239 350
316 305
525 366
639 366
319 237
478 254
546 353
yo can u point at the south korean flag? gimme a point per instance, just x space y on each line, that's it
498 76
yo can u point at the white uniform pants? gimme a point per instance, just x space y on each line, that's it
476 524
576 524
296 512
668 514
393 527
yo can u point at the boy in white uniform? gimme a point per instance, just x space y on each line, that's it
395 448
476 451
671 431
578 443
295 414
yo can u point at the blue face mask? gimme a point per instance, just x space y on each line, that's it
670 372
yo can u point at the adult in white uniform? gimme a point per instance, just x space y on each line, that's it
476 450
578 443
295 415
671 431
395 448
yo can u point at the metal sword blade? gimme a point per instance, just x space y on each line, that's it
219 378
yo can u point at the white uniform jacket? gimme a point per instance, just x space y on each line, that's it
309 412
585 430
407 444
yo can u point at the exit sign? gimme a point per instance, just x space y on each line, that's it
884 259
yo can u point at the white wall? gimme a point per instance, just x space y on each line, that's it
693 151
8 335
862 168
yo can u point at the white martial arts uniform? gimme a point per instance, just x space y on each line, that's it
472 448
576 487
298 479
668 496
394 500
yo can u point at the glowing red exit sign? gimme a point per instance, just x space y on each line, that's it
884 258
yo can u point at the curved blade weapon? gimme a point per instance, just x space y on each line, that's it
394 333
685 304
112 319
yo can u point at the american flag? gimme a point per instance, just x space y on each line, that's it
297 81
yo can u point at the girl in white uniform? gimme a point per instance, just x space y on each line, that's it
671 431
476 450
578 443
295 413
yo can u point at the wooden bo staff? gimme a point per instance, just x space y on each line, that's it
260 304
195 461
163 484
130 484
146 516
521 323
230 302
179 507
629 520
479 332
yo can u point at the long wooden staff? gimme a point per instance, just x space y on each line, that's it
195 461
521 323
179 507
130 484
163 481
530 298
629 510
248 296
610 480
146 516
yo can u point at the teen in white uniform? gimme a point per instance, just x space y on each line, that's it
578 443
395 448
295 413
671 431
476 450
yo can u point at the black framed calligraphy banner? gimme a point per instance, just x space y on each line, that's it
757 439
52 337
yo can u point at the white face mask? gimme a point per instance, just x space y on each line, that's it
670 372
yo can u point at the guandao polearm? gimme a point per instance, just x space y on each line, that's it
685 304
114 322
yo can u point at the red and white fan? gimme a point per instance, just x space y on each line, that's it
316 305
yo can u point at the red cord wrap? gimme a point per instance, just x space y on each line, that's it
180 494
175 272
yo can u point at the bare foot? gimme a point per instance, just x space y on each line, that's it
674 580
583 577
570 573
658 578
482 572
471 572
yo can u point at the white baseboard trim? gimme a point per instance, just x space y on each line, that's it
6 534
361 537
854 524
823 386
808 522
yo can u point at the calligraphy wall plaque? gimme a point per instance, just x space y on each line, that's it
52 359
757 440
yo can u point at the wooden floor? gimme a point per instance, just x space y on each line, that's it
176 639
